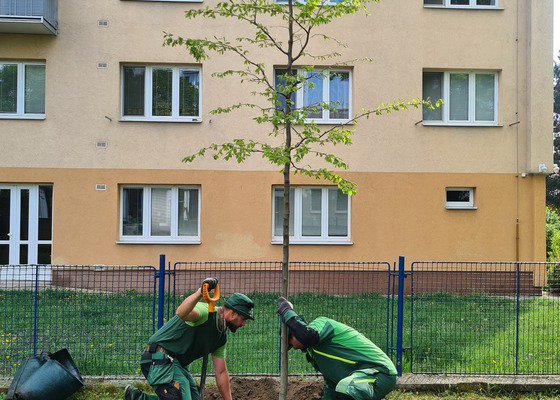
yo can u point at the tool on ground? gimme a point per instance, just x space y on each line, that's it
211 308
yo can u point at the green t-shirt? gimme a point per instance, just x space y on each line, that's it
188 341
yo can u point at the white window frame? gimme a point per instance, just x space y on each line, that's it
297 237
326 72
472 4
174 117
169 1
146 237
460 205
446 120
20 109
285 2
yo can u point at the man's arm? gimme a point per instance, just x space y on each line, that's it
307 336
222 377
186 310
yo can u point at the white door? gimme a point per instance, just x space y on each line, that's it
25 224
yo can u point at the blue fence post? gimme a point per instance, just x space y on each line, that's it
161 290
400 315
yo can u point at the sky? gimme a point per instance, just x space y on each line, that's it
556 28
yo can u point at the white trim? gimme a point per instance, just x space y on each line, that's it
32 240
168 1
325 72
460 205
446 91
298 237
472 5
148 95
146 236
20 104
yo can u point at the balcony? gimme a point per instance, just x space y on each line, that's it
38 17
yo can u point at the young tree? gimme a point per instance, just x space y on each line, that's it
553 181
286 30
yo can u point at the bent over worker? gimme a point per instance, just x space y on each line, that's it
192 333
352 366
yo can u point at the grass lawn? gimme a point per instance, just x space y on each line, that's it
476 333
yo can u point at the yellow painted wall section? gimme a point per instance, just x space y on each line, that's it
402 37
393 214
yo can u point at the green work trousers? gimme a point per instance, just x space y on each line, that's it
363 384
168 378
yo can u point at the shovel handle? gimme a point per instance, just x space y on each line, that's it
210 300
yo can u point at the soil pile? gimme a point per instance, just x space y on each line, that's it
268 389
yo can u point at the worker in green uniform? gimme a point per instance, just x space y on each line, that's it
192 333
352 366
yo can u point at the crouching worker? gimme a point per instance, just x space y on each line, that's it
352 366
192 333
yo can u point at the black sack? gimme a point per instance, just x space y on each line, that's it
53 376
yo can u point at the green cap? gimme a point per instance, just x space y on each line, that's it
241 304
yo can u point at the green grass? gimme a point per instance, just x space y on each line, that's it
473 333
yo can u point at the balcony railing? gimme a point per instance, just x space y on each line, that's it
29 16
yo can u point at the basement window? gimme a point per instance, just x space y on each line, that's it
459 198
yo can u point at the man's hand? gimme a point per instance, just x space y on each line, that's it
212 283
284 305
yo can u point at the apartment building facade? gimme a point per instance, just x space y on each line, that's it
96 116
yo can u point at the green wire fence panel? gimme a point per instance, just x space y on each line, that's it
485 318
354 293
103 315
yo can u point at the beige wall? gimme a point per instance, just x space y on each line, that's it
401 168
393 214
401 36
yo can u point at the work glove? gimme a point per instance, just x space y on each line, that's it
284 305
212 283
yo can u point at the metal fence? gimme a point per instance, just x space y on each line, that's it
354 293
484 317
492 318
103 315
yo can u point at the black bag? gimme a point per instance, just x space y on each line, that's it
52 376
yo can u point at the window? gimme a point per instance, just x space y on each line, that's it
324 2
317 215
161 93
322 86
22 90
459 198
170 1
469 98
160 214
462 3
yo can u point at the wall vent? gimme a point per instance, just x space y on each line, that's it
102 23
100 186
101 144
102 65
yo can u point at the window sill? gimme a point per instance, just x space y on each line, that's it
329 122
464 124
143 241
466 7
345 241
143 119
460 208
13 116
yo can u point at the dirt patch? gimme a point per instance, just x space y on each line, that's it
268 389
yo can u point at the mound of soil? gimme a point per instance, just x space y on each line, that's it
268 389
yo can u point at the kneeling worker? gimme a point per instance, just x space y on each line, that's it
352 366
192 333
